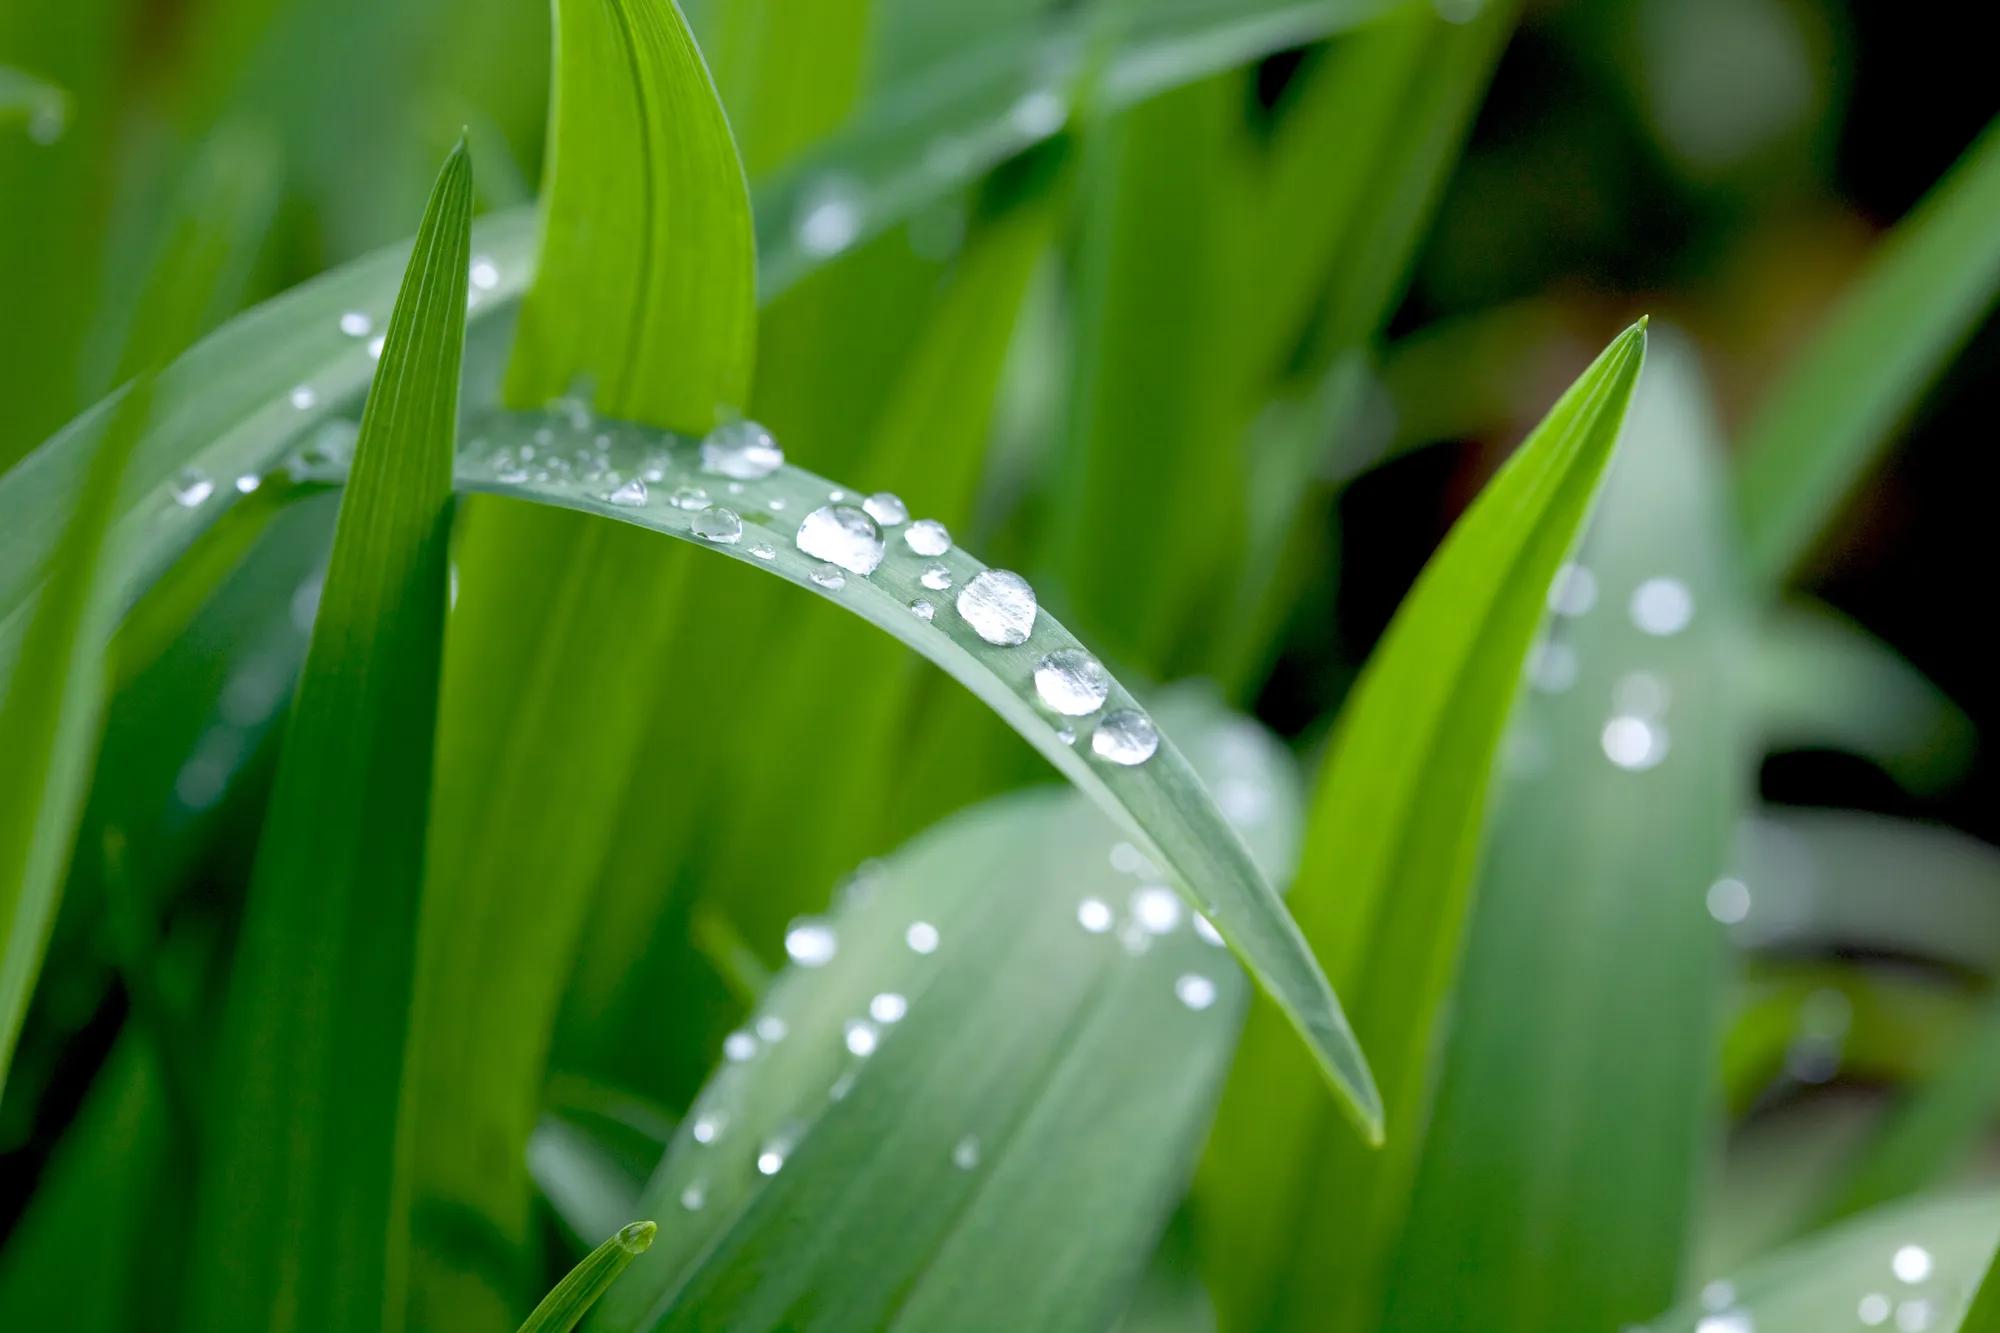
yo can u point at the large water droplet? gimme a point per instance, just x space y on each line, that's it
1194 990
1873 1310
719 525
927 536
844 536
1072 682
999 605
1126 737
192 488
810 942
887 508
632 494
743 450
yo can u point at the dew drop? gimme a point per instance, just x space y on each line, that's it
484 273
861 1036
1072 682
1125 737
631 495
1734 1321
355 324
842 535
1729 901
810 942
829 577
935 577
1156 908
999 605
743 450
922 937
1094 915
1195 991
375 346
1662 606
304 396
719 525
888 1007
1913 1316
831 221
1066 734
771 1157
1552 667
689 498
693 1197
1911 1264
965 1153
709 1125
1039 113
1206 929
192 488
738 1047
922 609
887 508
1573 591
1873 1310
248 483
764 551
1633 743
927 536
771 1028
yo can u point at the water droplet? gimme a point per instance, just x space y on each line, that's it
632 494
1873 1310
694 1196
1573 591
922 609
1129 860
887 508
248 483
1640 693
1194 990
935 577
831 219
1094 915
1125 737
764 551
689 498
861 1036
1633 743
927 536
304 396
708 1126
355 324
1156 908
1719 1294
1662 606
922 937
829 577
888 1007
1729 901
842 535
484 273
738 1047
771 1157
1913 1316
719 525
192 488
1072 682
810 942
1911 1264
776 504
1206 929
965 1153
771 1028
1735 1321
743 450
1066 734
1552 667
375 346
841 1086
1039 113
999 605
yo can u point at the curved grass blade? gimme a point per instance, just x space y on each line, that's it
572 1298
1304 1213
1580 1064
300 1201
1935 276
972 1100
1908 1267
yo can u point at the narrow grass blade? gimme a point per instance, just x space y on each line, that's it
300 1204
646 288
1304 1213
1580 1063
572 1298
1913 1266
1828 418
978 1110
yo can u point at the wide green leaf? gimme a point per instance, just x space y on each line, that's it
1578 1073
994 1058
1302 1211
300 1204
571 1299
1816 434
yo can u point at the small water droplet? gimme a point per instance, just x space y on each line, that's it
708 1126
922 609
1066 734
831 219
484 273
1156 908
304 396
764 551
771 1157
719 525
861 1036
1911 1264
631 495
927 536
888 1007
1125 737
355 324
1729 901
1873 1310
1914 1316
1573 591
776 504
842 535
1094 915
375 346
771 1028
192 488
935 577
1552 667
830 577
738 1047
248 483
743 450
887 508
922 937
1195 991
1039 113
694 1196
810 942
999 605
1633 743
1206 929
965 1153
1662 606
689 498
1072 682
1734 1321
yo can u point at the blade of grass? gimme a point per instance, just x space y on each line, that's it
788 73
1304 1213
1813 438
301 1187
1579 1066
572 1298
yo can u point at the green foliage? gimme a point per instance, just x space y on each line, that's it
580 1289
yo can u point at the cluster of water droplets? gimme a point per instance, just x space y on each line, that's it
1904 1294
1150 911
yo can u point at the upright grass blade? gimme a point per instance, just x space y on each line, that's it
302 1183
571 1299
1937 274
1578 1073
49 711
1303 1213
788 73
994 1058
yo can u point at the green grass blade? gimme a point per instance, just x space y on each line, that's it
1000 1070
572 1298
646 288
1579 1067
1305 1213
1823 424
1984 1314
300 1198
788 73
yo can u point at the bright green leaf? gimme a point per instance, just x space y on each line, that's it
572 1298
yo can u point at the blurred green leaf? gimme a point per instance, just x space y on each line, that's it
300 1205
38 105
1578 1073
1817 432
787 72
576 1293
1003 1067
1305 1214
